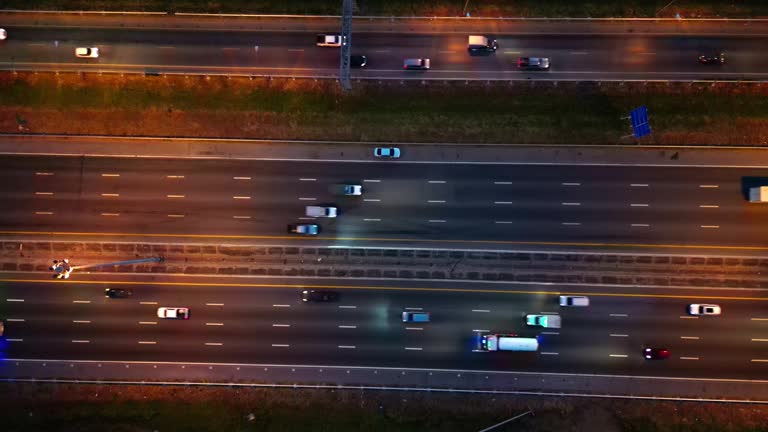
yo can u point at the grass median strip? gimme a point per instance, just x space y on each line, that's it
450 112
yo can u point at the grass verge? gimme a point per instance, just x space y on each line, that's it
451 112
86 408
524 8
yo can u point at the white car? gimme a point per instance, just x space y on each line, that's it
3 34
704 309
321 211
304 229
173 313
329 40
387 152
352 190
87 52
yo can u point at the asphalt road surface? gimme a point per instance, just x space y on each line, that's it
573 57
262 324
409 202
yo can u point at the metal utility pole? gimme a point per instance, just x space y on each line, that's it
346 44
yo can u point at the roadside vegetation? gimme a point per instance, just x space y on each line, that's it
87 408
480 8
412 111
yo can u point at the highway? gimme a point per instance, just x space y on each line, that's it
285 53
412 202
233 320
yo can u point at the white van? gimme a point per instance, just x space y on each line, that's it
574 301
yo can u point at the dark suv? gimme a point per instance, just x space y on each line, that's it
716 59
319 296
533 63
117 293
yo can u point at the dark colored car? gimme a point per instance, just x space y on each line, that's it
358 61
319 296
417 63
656 353
533 63
117 293
716 59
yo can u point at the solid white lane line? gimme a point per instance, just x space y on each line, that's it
688 317
307 179
148 303
689 358
281 305
436 181
214 304
214 343
241 197
436 201
307 199
241 217
710 226
502 182
81 301
571 184
110 214
110 195
709 186
708 206
147 342
371 200
14 300
174 176
81 321
15 319
638 205
214 324
549 353
43 213
347 326
80 341
347 307
571 223
281 325
44 173
639 185
759 360
280 345
241 178
371 220
618 315
481 310
502 202
618 335
413 348
347 346
371 181
617 355
148 322
176 215
437 220
570 204
502 222
43 193
690 337
174 196
414 328
759 340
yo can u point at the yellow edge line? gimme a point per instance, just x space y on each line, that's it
386 288
294 238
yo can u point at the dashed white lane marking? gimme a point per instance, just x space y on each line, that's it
214 343
618 315
502 182
176 215
549 353
80 341
109 175
307 179
641 225
759 319
690 337
446 52
110 195
481 310
436 201
381 51
43 193
214 304
214 324
230 49
43 213
502 222
371 200
570 184
148 303
577 53
688 317
44 173
15 319
280 345
638 185
512 52
617 355
371 181
759 360
550 333
571 223
110 214
414 328
307 199
81 301
241 178
347 347
480 331
347 307
638 205
174 176
348 326
307 218
148 322
708 206
174 196
413 348
15 340
166 47
295 50
436 181
437 220
571 204
502 202
647 53
689 358
709 186
241 197
281 305
14 300
147 342
241 217
372 220
81 321
414 308
710 226
618 335
759 340
281 325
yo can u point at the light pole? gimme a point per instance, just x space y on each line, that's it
464 12
62 269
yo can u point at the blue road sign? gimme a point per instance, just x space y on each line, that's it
639 118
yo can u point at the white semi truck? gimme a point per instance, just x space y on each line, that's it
506 342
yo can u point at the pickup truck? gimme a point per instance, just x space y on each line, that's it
328 40
546 321
758 194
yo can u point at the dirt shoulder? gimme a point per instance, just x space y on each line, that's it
451 112
84 408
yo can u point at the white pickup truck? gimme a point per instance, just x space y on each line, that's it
328 40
